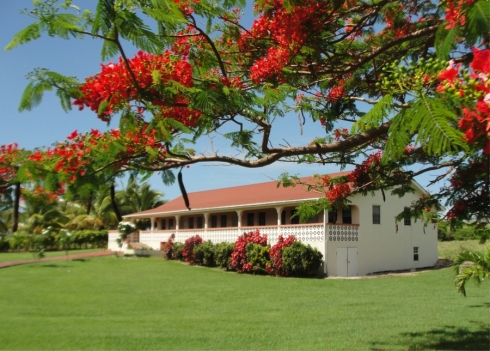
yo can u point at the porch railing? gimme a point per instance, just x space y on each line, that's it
307 233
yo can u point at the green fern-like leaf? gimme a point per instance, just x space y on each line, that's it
26 35
132 28
478 22
375 116
432 124
446 40
104 16
109 49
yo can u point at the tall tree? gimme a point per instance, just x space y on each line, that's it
420 69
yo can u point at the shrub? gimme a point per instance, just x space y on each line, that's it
275 266
20 240
204 254
300 260
258 258
168 247
188 249
222 254
4 244
239 255
89 238
178 251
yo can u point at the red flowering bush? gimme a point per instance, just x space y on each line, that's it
167 247
188 248
275 266
239 260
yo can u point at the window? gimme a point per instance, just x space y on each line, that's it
332 216
283 217
214 221
223 221
199 222
376 214
406 219
261 218
170 223
347 215
164 224
295 219
415 253
250 219
191 222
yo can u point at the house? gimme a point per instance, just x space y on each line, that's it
357 240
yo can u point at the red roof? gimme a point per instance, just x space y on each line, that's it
237 196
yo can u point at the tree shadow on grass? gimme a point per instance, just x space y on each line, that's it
485 304
54 265
446 338
79 260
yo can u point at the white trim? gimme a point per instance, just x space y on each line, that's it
220 209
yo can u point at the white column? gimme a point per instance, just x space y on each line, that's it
206 217
152 225
279 210
239 215
177 222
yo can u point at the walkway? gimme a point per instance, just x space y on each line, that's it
56 258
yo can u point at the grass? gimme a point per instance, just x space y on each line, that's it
21 256
449 249
109 303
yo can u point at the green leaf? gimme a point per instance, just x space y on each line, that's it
168 177
26 35
446 40
375 116
478 22
102 107
434 125
156 77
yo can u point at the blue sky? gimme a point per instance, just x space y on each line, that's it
48 123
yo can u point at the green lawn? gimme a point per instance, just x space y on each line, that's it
109 303
21 256
449 249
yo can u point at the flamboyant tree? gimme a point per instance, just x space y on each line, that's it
390 85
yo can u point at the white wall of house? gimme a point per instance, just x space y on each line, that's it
388 245
380 247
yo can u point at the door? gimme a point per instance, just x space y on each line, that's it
347 262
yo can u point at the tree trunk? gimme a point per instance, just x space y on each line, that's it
88 208
114 204
15 215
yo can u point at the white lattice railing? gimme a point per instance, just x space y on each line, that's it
342 232
303 232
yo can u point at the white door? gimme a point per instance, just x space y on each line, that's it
346 261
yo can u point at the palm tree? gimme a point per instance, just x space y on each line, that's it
39 213
101 213
471 265
137 198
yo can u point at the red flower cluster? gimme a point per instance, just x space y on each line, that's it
239 256
455 12
276 255
475 121
80 152
188 248
114 86
9 161
287 29
361 174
